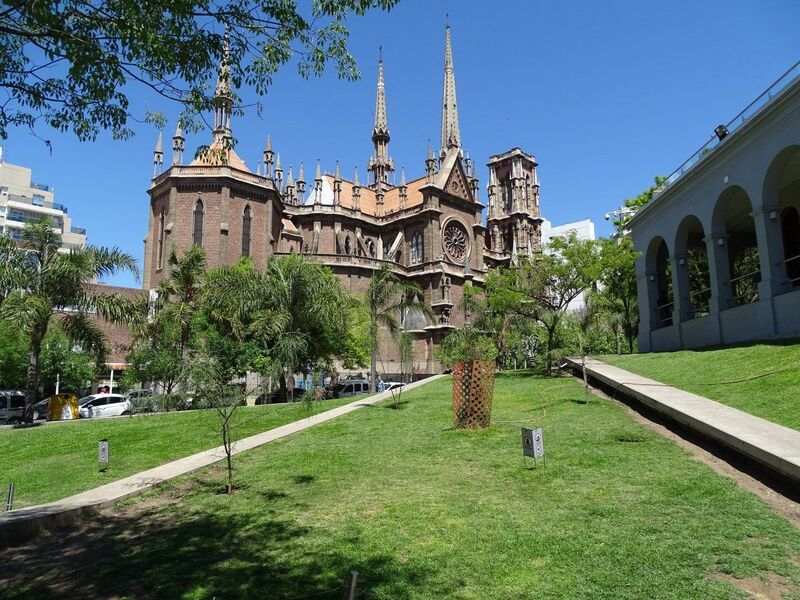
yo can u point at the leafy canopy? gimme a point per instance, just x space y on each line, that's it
73 64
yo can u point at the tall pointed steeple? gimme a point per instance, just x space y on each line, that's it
223 96
380 165
451 136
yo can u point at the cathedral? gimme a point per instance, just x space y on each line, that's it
430 229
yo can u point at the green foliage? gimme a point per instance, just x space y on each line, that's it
747 269
356 346
387 299
72 64
540 290
42 283
74 367
13 358
465 345
614 300
636 203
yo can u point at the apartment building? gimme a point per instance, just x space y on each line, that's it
22 201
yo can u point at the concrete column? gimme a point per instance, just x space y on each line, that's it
646 310
719 273
682 307
774 280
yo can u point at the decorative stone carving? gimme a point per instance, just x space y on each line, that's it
455 241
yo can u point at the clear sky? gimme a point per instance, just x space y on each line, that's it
605 95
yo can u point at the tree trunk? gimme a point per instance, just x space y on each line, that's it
618 340
373 370
551 334
32 380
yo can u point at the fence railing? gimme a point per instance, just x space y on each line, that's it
740 119
744 288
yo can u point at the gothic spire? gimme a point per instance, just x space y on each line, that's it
380 165
223 96
451 136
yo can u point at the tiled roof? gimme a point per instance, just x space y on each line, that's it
212 157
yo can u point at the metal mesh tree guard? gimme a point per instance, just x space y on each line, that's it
473 388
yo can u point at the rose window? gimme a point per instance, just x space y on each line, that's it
456 241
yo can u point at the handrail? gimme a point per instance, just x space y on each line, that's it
779 84
745 276
791 258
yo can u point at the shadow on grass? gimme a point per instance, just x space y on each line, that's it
146 554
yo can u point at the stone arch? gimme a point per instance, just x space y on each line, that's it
659 283
781 199
734 230
692 269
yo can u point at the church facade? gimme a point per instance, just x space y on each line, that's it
429 229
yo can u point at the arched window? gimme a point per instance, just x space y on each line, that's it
790 227
246 231
371 248
416 253
347 249
197 236
161 240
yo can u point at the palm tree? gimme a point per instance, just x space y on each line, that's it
180 295
388 298
44 283
296 311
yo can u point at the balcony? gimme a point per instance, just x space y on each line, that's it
42 187
78 230
29 201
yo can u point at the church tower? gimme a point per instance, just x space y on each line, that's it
451 136
514 220
380 164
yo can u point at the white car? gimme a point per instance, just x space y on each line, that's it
103 405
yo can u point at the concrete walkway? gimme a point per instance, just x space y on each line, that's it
775 446
18 525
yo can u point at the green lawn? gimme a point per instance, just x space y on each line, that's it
423 511
51 462
761 379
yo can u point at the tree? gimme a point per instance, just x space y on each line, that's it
388 298
13 357
66 363
180 295
57 285
541 289
615 299
295 313
72 64
637 202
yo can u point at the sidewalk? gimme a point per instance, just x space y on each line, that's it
18 525
772 445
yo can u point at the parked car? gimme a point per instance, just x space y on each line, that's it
40 409
275 396
103 405
348 388
12 406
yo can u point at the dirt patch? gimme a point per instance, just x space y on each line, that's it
786 507
775 587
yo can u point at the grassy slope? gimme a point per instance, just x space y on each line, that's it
423 511
773 397
55 461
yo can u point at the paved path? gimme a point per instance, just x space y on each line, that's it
18 525
770 444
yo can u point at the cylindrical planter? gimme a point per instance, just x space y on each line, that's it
473 388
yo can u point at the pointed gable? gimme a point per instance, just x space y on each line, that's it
451 177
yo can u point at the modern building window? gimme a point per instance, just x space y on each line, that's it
3 191
246 231
161 240
417 252
38 200
197 237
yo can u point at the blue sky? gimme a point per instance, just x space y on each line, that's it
605 95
